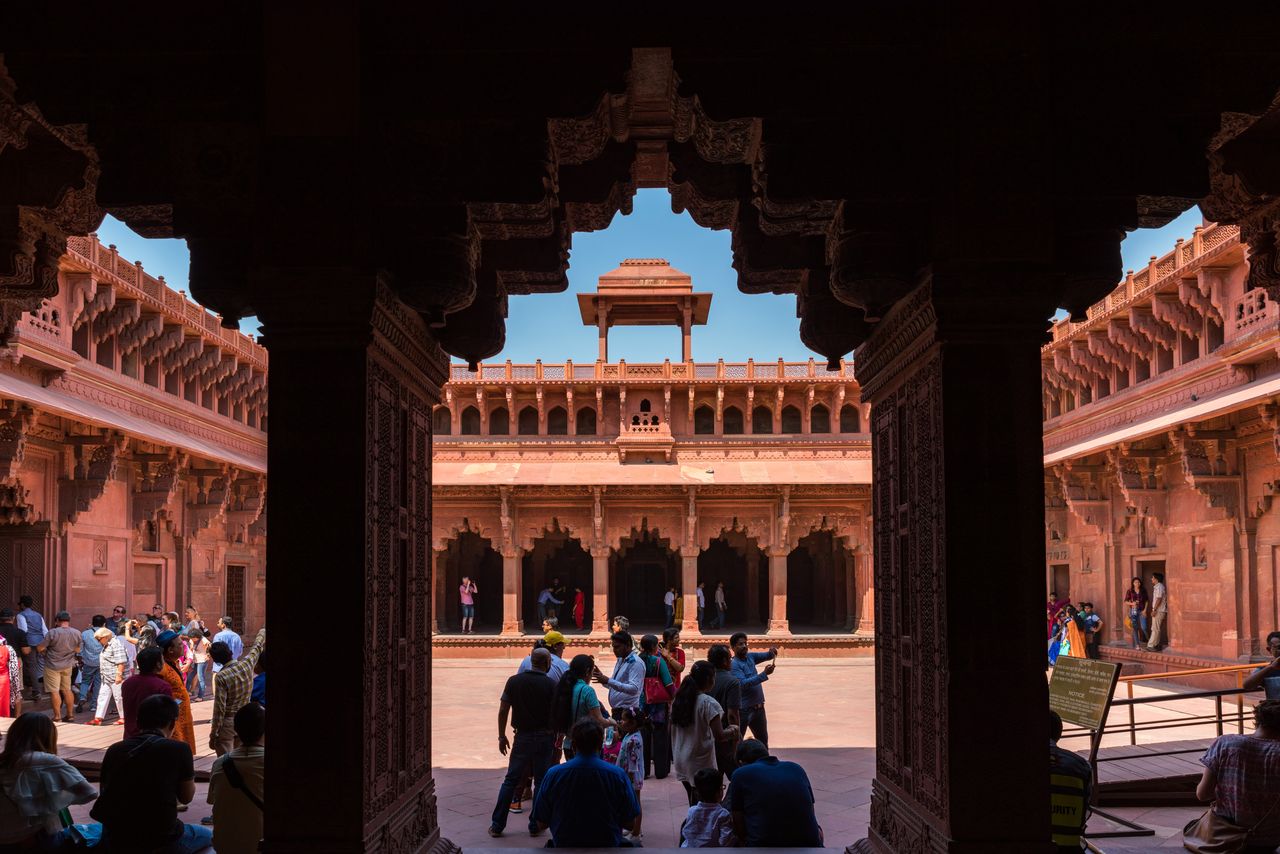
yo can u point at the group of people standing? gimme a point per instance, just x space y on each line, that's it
1078 631
663 713
1147 614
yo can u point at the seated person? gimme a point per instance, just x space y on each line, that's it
145 683
771 801
236 786
1267 677
1242 778
1070 779
35 785
708 824
143 779
586 802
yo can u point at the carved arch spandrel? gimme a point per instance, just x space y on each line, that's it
623 525
449 524
843 524
754 525
574 522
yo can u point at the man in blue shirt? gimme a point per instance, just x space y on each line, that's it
546 599
228 636
586 802
627 684
32 622
771 801
90 649
744 667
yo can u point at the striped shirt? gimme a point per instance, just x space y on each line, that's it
233 684
113 653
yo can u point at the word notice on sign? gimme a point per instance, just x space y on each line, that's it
1080 690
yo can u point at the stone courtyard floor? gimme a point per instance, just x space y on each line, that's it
821 715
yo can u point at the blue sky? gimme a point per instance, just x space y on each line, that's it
548 326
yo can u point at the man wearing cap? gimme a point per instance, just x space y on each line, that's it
111 664
554 643
60 647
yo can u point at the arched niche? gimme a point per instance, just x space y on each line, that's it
469 554
441 421
850 419
585 423
527 422
732 421
558 421
790 420
704 420
557 558
819 419
470 422
499 422
762 420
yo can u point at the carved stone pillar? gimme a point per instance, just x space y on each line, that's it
438 591
778 624
848 565
600 590
953 375
689 591
864 574
1247 635
752 611
512 591
352 386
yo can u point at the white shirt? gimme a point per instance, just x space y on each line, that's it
627 685
670 599
720 596
1159 598
702 598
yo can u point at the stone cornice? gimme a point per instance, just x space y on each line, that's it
405 334
906 333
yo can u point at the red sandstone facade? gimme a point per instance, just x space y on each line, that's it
132 450
625 479
1161 438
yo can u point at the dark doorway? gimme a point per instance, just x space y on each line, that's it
471 555
1060 580
235 601
813 595
1146 571
639 577
556 556
746 604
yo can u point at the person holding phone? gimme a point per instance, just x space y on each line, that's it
744 667
467 595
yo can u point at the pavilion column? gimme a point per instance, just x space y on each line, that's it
849 566
953 375
600 589
512 591
778 591
689 591
438 591
840 582
752 612
353 379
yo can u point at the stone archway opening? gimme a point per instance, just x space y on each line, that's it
819 578
473 556
743 567
643 567
558 562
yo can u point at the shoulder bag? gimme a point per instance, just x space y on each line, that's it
655 692
236 779
1213 834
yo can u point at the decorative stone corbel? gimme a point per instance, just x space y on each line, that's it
212 492
159 482
1084 495
92 466
1209 466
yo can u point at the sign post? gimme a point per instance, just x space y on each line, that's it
1080 691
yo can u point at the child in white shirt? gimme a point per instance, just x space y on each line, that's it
708 824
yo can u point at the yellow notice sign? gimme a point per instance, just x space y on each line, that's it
1080 690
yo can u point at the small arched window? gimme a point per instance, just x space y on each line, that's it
644 405
762 420
790 419
732 420
558 421
819 419
470 421
586 421
442 421
527 422
704 421
635 420
850 419
499 422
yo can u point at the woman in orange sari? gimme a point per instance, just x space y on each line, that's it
185 729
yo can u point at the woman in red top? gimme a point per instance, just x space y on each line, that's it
672 653
579 606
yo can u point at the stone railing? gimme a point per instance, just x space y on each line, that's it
1136 287
647 372
1252 311
135 283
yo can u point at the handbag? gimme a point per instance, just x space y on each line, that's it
1213 834
655 692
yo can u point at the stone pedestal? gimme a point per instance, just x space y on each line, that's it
689 591
953 376
600 590
512 591
778 624
351 395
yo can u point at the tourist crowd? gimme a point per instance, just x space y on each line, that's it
585 762
152 667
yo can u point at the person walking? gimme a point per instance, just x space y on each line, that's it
579 607
36 787
560 592
236 786
744 667
656 736
527 698
112 662
467 591
233 688
184 729
1136 604
1159 611
702 604
30 621
722 607
227 634
669 605
198 675
547 602
61 645
90 675
696 726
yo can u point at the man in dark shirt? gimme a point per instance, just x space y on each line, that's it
586 802
143 779
771 801
527 698
1070 778
16 639
137 688
727 691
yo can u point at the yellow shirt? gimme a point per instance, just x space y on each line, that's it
237 822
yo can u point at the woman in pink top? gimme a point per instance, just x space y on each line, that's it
467 592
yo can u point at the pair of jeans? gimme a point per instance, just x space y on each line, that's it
657 750
194 838
196 680
701 612
90 684
759 724
1139 624
534 752
671 616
